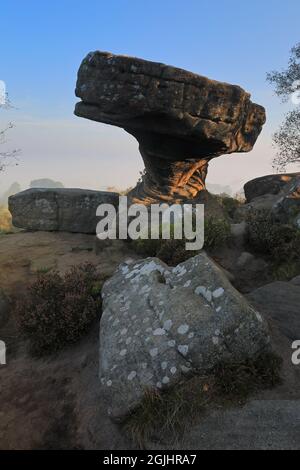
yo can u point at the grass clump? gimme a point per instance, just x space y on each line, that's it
170 413
58 310
171 252
286 271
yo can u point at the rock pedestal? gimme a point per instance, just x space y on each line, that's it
181 120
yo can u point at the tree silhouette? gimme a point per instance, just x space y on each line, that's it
6 156
287 86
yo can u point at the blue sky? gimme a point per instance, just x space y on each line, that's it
43 43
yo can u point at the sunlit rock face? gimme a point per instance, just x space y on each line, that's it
180 119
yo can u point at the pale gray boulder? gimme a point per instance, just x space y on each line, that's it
58 209
160 324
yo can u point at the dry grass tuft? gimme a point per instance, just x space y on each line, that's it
170 413
5 221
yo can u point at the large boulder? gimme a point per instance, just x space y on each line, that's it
66 210
160 324
277 194
181 120
270 184
281 302
287 208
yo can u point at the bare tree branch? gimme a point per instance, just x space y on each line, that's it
7 158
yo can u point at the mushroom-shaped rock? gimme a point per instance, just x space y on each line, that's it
180 119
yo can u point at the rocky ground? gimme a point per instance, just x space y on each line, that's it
56 403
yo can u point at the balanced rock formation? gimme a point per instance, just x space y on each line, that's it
181 120
65 210
160 324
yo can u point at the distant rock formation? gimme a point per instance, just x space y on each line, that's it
13 189
65 210
46 183
181 120
214 188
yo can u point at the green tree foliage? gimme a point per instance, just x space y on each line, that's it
287 86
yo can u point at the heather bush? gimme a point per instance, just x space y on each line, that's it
229 204
58 310
267 236
173 252
216 233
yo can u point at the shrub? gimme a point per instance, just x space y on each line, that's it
267 236
58 310
286 271
173 252
217 233
229 204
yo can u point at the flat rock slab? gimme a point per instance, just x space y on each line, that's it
260 425
159 324
65 210
280 301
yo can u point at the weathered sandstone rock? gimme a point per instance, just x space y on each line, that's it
287 207
181 120
160 324
280 301
66 210
270 184
278 194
